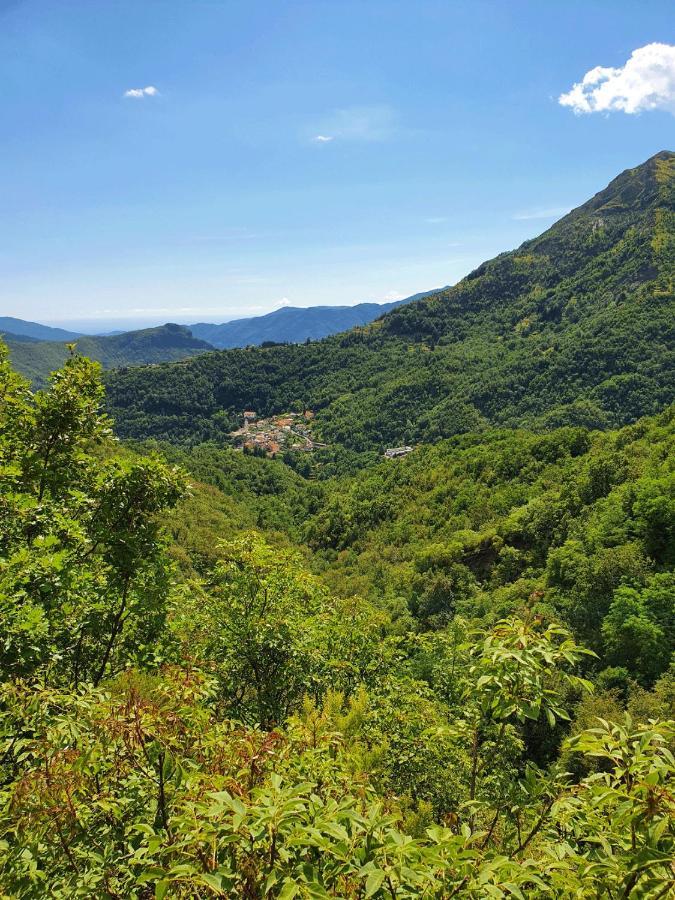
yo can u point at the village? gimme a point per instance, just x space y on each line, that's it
289 431
286 432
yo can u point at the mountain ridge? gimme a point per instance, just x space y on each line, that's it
35 330
294 324
36 359
575 326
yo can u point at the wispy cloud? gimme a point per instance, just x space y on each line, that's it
357 123
150 310
552 213
645 82
225 236
137 93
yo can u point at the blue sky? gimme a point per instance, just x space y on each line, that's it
214 196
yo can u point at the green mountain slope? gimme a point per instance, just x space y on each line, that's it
485 524
573 327
169 342
478 526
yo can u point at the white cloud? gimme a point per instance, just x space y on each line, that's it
283 302
149 91
391 296
646 81
357 123
553 213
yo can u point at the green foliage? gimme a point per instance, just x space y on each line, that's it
639 629
140 791
83 578
513 664
483 526
271 496
257 626
624 818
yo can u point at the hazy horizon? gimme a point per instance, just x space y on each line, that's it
160 158
101 326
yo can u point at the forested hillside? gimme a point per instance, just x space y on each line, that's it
573 328
471 695
481 525
36 359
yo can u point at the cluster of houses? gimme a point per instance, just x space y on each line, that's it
395 452
290 431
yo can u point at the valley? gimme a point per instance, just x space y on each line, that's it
388 614
337 450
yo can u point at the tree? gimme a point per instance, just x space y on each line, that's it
257 626
516 677
83 576
638 630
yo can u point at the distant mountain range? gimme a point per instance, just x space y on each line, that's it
21 329
295 325
36 358
36 350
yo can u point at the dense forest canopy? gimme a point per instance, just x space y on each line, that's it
423 716
446 675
